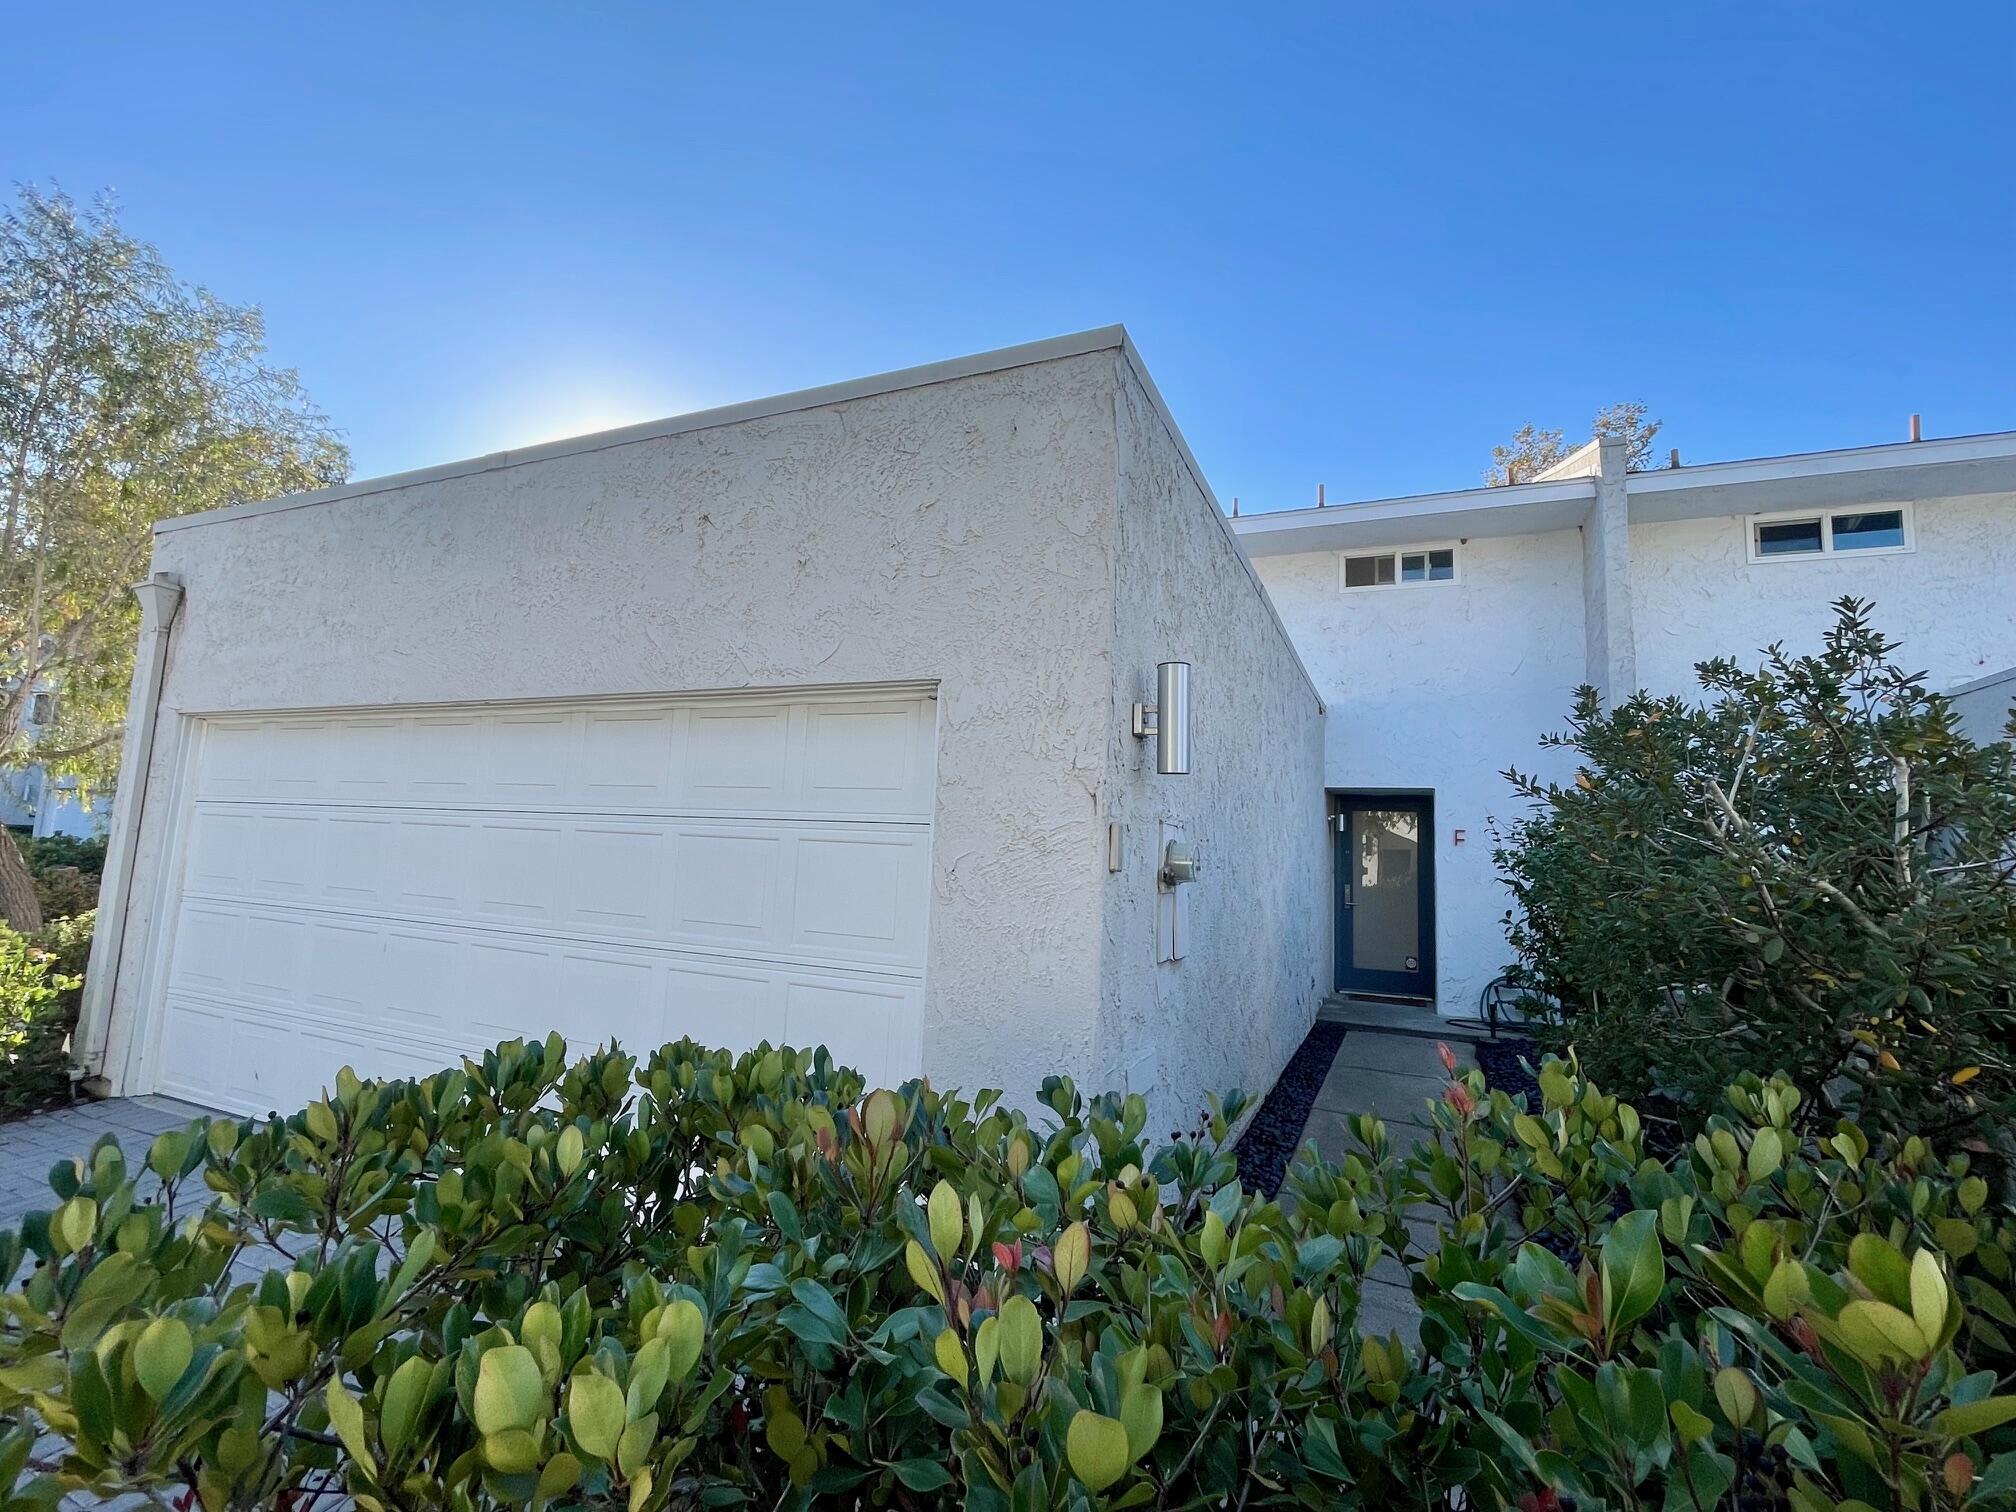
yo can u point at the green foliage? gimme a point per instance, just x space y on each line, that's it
126 396
53 852
63 892
1810 872
40 979
711 1281
1532 450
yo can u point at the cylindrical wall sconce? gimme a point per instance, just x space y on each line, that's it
1172 718
1168 719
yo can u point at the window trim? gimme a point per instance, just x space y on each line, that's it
1826 517
1454 548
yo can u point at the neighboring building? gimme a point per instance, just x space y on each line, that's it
807 720
33 800
1449 631
813 719
1985 705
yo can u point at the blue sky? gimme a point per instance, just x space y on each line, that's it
1357 244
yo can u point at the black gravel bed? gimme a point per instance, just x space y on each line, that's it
1499 1061
1271 1139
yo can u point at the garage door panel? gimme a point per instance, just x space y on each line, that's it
616 879
365 760
849 894
432 864
508 988
532 757
861 758
273 958
605 997
725 886
518 872
853 896
443 758
423 976
700 997
345 968
853 1020
204 952
354 848
627 758
396 889
737 758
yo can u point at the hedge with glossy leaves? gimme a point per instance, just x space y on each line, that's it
710 1281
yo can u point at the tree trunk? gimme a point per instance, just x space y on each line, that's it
17 890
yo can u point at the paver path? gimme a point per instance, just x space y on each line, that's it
30 1146
1388 1065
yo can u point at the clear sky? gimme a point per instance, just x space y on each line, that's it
1357 244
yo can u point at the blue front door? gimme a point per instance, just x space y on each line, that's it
1385 848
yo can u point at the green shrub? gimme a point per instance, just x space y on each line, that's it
40 979
52 851
1809 873
63 892
711 1281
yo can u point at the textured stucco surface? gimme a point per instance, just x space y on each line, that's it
1609 638
1437 688
1985 706
967 534
1257 959
957 534
1697 594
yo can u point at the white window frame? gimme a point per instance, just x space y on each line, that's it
1826 517
1454 549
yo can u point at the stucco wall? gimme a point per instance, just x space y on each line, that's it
958 533
1257 955
1985 706
1438 688
1698 595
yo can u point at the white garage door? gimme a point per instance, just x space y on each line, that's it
392 889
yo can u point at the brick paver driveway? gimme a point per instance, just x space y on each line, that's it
31 1145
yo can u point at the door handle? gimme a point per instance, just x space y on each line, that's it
1347 895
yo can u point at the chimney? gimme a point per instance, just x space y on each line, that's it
1917 430
1319 497
1673 457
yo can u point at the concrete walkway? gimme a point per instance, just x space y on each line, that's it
30 1146
1388 1065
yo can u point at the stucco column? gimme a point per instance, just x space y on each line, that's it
1609 642
160 598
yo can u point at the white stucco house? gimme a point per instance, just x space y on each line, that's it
808 720
842 717
1448 633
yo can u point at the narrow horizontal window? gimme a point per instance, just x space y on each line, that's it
1788 537
1390 569
1828 531
1878 530
1368 571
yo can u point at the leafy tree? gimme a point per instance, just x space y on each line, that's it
1627 422
1809 873
1532 450
126 396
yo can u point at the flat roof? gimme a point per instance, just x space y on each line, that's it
1948 467
1104 338
1076 344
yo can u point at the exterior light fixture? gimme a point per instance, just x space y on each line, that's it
1168 719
